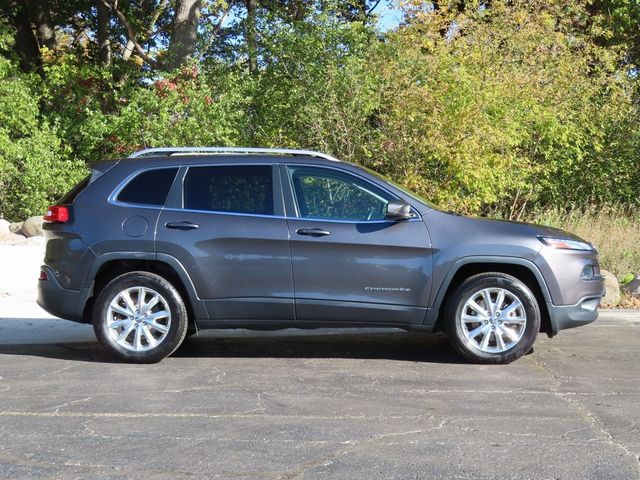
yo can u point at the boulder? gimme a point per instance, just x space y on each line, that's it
32 227
4 226
11 238
15 227
632 288
612 294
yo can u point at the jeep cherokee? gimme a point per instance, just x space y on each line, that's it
172 240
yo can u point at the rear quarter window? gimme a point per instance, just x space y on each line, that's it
71 195
149 188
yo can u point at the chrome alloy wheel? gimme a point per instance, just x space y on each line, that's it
138 319
493 320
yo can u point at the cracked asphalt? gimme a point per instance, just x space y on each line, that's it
328 404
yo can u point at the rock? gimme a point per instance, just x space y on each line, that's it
632 288
32 227
4 226
11 238
15 227
612 294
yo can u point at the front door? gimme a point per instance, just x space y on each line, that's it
350 264
232 238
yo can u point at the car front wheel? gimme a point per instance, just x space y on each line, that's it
492 318
140 317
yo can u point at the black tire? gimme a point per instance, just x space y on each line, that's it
468 348
177 328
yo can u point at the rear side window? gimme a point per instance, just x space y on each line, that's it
149 188
236 189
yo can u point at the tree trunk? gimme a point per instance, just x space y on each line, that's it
252 53
26 43
185 32
104 42
251 36
41 16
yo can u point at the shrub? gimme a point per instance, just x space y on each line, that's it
34 167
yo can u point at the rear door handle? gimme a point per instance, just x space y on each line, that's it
182 225
313 232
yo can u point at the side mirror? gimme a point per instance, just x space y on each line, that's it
398 210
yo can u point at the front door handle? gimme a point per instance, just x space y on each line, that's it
182 225
313 232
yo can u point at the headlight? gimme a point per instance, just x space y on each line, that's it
565 243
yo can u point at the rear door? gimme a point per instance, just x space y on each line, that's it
229 232
350 264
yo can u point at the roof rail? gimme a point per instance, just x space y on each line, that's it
233 150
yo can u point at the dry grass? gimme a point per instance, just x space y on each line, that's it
627 301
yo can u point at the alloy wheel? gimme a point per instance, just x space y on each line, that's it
493 320
138 319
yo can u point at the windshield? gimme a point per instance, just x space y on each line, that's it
413 195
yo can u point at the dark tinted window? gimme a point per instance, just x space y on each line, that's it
325 193
71 195
238 189
149 188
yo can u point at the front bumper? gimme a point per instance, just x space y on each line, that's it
570 316
60 301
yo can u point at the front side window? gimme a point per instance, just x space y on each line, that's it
149 188
328 194
236 189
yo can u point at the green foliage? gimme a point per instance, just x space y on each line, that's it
316 89
33 166
515 106
104 118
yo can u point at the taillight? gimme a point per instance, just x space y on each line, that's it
57 214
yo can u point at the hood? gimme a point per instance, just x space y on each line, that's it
529 228
485 236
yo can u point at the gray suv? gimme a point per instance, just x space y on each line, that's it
169 241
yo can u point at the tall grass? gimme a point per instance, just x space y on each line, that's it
613 230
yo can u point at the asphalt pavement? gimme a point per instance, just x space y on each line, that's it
326 404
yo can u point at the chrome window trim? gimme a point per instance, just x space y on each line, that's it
218 212
281 217
113 197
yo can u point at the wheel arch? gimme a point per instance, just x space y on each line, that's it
111 265
524 270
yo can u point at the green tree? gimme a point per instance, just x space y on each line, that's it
33 166
517 104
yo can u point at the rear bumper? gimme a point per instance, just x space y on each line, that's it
570 316
60 301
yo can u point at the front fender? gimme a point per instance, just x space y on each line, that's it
436 302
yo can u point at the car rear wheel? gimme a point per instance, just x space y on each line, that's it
492 318
139 317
